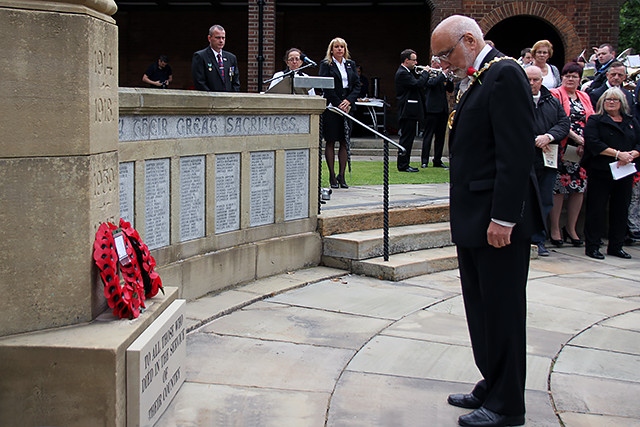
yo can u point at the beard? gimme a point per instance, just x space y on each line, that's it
469 58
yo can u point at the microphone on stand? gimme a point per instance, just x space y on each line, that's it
308 60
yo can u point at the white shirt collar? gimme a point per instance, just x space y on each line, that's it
480 58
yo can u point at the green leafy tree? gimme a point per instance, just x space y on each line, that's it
629 25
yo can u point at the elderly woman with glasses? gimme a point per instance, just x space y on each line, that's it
542 51
293 59
612 141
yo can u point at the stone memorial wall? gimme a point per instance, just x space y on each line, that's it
220 182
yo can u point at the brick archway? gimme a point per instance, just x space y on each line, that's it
570 38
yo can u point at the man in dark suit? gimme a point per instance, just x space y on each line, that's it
213 69
616 75
410 104
494 210
436 106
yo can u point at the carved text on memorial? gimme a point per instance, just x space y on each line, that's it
142 128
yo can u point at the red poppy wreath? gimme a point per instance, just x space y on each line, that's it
120 251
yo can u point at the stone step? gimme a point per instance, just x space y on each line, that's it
409 264
346 221
359 245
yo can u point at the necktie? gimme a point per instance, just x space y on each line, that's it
221 65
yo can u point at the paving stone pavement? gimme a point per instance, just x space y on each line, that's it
321 347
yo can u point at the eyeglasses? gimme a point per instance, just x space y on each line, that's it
612 100
571 76
445 56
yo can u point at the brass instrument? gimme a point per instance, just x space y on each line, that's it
433 72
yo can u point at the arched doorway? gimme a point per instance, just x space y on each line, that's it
513 34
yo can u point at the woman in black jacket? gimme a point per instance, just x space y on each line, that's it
343 96
612 135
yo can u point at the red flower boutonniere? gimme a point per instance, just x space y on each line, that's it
473 74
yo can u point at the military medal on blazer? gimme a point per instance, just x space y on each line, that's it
474 76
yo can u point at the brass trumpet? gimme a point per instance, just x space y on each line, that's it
420 68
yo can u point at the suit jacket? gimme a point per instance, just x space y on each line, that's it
206 73
336 95
436 94
491 157
409 89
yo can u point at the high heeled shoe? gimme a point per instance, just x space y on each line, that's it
341 181
567 238
333 182
557 243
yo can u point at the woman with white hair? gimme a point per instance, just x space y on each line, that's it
612 141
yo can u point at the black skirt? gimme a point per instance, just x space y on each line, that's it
333 127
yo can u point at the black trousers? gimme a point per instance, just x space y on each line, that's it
494 292
435 124
407 135
603 190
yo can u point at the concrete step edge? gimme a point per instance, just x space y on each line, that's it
409 264
361 245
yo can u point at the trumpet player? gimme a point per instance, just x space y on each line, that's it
436 111
409 86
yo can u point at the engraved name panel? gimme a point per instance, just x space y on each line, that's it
227 199
191 197
262 189
127 180
296 184
156 203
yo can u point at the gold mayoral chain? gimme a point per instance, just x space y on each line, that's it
475 77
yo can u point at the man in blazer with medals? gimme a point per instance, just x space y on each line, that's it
213 69
494 208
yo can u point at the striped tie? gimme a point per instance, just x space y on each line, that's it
221 65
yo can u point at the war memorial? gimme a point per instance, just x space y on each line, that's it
222 188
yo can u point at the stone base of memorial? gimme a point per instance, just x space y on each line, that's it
77 375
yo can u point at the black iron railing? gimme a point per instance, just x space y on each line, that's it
385 185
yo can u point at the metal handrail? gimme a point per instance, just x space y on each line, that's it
385 174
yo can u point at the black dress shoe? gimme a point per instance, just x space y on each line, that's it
468 401
408 169
594 253
438 165
620 253
424 165
484 417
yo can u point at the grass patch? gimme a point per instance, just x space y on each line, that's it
371 173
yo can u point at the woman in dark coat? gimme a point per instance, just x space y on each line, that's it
612 135
343 96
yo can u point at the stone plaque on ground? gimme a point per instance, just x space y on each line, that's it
156 366
127 179
262 191
191 197
227 205
156 203
296 184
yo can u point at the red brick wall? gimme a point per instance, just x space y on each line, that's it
375 35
